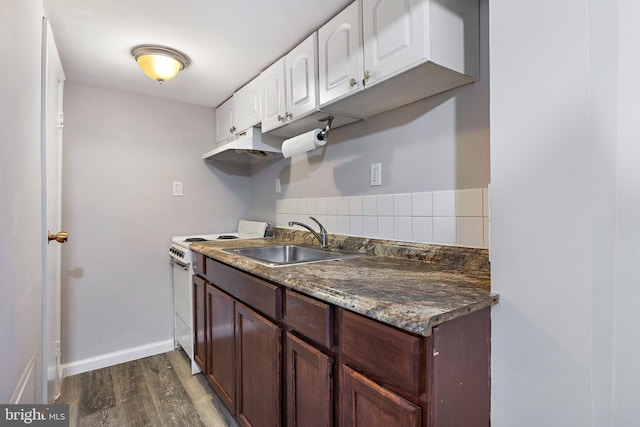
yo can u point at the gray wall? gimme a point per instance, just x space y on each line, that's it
21 231
122 152
440 143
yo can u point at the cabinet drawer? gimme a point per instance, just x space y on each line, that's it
256 293
198 263
309 317
383 352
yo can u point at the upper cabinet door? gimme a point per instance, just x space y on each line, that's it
340 55
301 78
224 122
395 37
273 96
246 105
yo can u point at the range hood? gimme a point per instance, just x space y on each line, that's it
247 147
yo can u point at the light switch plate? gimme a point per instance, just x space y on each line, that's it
177 188
376 174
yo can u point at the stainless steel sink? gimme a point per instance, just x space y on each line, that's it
283 255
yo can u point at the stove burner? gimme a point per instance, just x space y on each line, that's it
195 239
227 237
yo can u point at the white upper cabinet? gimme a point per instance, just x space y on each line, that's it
224 122
246 105
301 76
340 57
273 96
238 113
417 48
395 37
289 86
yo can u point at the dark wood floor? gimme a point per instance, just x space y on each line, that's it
154 391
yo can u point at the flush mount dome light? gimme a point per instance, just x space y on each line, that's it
159 62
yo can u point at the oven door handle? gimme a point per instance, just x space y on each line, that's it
185 267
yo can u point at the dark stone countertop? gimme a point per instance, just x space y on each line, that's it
411 286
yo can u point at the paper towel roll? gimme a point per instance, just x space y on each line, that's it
302 143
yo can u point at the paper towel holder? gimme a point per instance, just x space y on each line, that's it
327 129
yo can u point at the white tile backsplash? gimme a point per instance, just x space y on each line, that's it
385 205
402 205
422 229
444 203
331 224
356 226
403 228
370 206
469 231
456 217
332 206
355 206
321 206
469 202
422 204
343 206
370 226
343 224
385 227
444 229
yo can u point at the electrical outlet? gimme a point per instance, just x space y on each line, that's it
177 188
376 174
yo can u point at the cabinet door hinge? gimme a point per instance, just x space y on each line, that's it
60 120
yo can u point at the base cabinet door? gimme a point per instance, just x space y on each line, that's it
309 377
367 404
199 320
259 353
221 345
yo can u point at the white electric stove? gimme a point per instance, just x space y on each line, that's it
182 261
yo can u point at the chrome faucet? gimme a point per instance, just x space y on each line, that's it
322 236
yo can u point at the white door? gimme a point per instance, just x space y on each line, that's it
340 59
301 78
395 37
53 81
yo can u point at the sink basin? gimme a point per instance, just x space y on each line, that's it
283 255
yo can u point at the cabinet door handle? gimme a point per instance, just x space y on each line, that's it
353 82
280 118
367 76
288 115
232 129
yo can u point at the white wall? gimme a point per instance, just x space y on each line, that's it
626 347
564 213
122 152
20 212
439 143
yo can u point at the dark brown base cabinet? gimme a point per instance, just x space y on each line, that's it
277 357
309 376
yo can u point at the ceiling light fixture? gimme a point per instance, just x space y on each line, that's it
159 62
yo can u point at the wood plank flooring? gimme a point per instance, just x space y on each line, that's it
154 391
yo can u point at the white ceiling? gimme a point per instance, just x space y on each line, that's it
228 41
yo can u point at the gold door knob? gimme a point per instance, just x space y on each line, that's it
59 237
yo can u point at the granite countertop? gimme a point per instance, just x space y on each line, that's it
408 285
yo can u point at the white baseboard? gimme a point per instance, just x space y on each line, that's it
116 357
